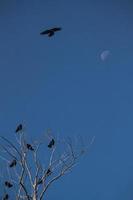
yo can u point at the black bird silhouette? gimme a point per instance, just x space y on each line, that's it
8 184
51 32
48 172
19 128
30 147
6 197
13 163
51 143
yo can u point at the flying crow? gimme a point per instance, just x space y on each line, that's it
30 147
13 163
50 32
8 184
19 128
51 143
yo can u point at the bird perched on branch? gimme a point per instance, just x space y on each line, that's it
29 147
13 163
51 143
48 172
6 197
50 32
8 184
19 128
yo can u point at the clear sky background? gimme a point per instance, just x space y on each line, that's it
61 83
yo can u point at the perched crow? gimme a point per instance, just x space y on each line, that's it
30 147
50 32
8 184
6 197
48 172
51 143
19 128
13 163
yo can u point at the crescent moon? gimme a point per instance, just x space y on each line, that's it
104 55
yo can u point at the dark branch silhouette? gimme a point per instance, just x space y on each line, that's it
32 174
51 32
40 181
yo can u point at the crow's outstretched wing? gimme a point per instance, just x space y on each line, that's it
45 32
56 29
50 32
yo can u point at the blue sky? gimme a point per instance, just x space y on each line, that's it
61 83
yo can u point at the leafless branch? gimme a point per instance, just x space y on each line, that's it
32 175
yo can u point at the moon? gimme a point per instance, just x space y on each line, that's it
104 55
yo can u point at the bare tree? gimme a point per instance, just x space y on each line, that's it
30 169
